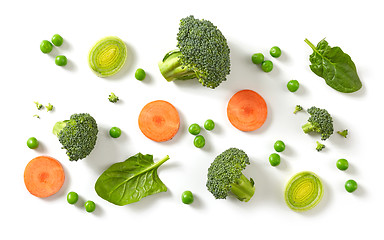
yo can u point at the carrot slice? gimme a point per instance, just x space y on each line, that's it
247 110
43 176
159 121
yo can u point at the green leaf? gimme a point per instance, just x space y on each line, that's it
334 66
129 181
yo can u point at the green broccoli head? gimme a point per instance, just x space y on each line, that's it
77 135
225 176
202 53
320 121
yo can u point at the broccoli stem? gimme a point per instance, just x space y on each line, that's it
243 188
59 126
308 127
172 69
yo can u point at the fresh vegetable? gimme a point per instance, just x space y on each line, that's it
61 60
275 52
77 135
257 58
72 197
342 164
187 197
39 106
107 57
140 74
159 121
202 52
298 108
46 46
334 66
129 181
194 129
43 176
293 85
320 121
90 206
247 110
32 143
350 185
37 116
57 40
274 159
279 146
225 176
115 132
209 125
319 146
49 107
303 191
343 133
113 98
199 141
267 66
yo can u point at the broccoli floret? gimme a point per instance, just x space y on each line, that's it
39 106
36 116
320 121
343 133
49 107
319 146
225 176
202 53
298 108
113 98
77 135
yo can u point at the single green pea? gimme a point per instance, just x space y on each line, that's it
274 159
90 206
350 185
32 143
209 125
46 46
293 85
72 197
279 146
257 58
275 52
342 164
115 132
61 60
187 197
199 141
57 40
194 129
267 66
140 74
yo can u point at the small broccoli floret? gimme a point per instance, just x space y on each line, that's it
225 176
39 106
36 116
319 146
202 53
113 98
49 107
77 135
298 108
320 121
343 133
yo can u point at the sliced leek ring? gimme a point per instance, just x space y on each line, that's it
107 56
303 191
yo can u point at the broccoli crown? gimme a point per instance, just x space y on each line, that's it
320 121
78 135
225 173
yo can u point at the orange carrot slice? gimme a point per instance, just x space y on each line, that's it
247 110
43 176
159 121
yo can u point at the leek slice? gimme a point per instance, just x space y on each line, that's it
303 191
107 56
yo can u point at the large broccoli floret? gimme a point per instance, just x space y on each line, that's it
77 135
320 121
202 53
225 176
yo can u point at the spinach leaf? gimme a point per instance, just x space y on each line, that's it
129 181
335 66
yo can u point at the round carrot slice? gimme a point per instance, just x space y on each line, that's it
247 110
43 176
159 121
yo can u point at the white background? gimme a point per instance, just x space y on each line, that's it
149 29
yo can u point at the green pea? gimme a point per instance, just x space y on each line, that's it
274 159
90 206
342 164
293 85
61 60
140 74
279 146
57 40
350 185
72 197
115 132
257 58
187 197
267 66
194 129
199 141
46 46
32 143
209 125
275 52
